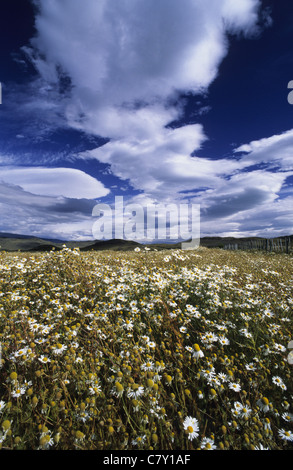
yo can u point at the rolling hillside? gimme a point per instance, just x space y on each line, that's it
13 242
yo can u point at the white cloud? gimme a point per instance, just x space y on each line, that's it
125 54
128 61
242 192
162 166
151 163
65 182
241 15
275 151
45 216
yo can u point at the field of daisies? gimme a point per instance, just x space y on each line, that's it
163 350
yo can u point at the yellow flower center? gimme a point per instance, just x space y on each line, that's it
44 440
6 425
119 387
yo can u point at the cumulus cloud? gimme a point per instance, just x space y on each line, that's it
128 60
275 151
163 167
254 202
124 41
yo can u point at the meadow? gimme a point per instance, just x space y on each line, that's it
146 349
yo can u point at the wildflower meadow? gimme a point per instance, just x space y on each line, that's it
141 350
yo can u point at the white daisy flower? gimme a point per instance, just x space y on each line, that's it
234 386
44 359
191 427
285 435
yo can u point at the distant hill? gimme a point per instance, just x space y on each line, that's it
13 242
24 243
115 244
16 242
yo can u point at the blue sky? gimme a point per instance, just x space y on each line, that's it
158 101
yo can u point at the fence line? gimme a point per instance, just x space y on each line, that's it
280 245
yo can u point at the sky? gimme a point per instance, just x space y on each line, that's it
156 101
